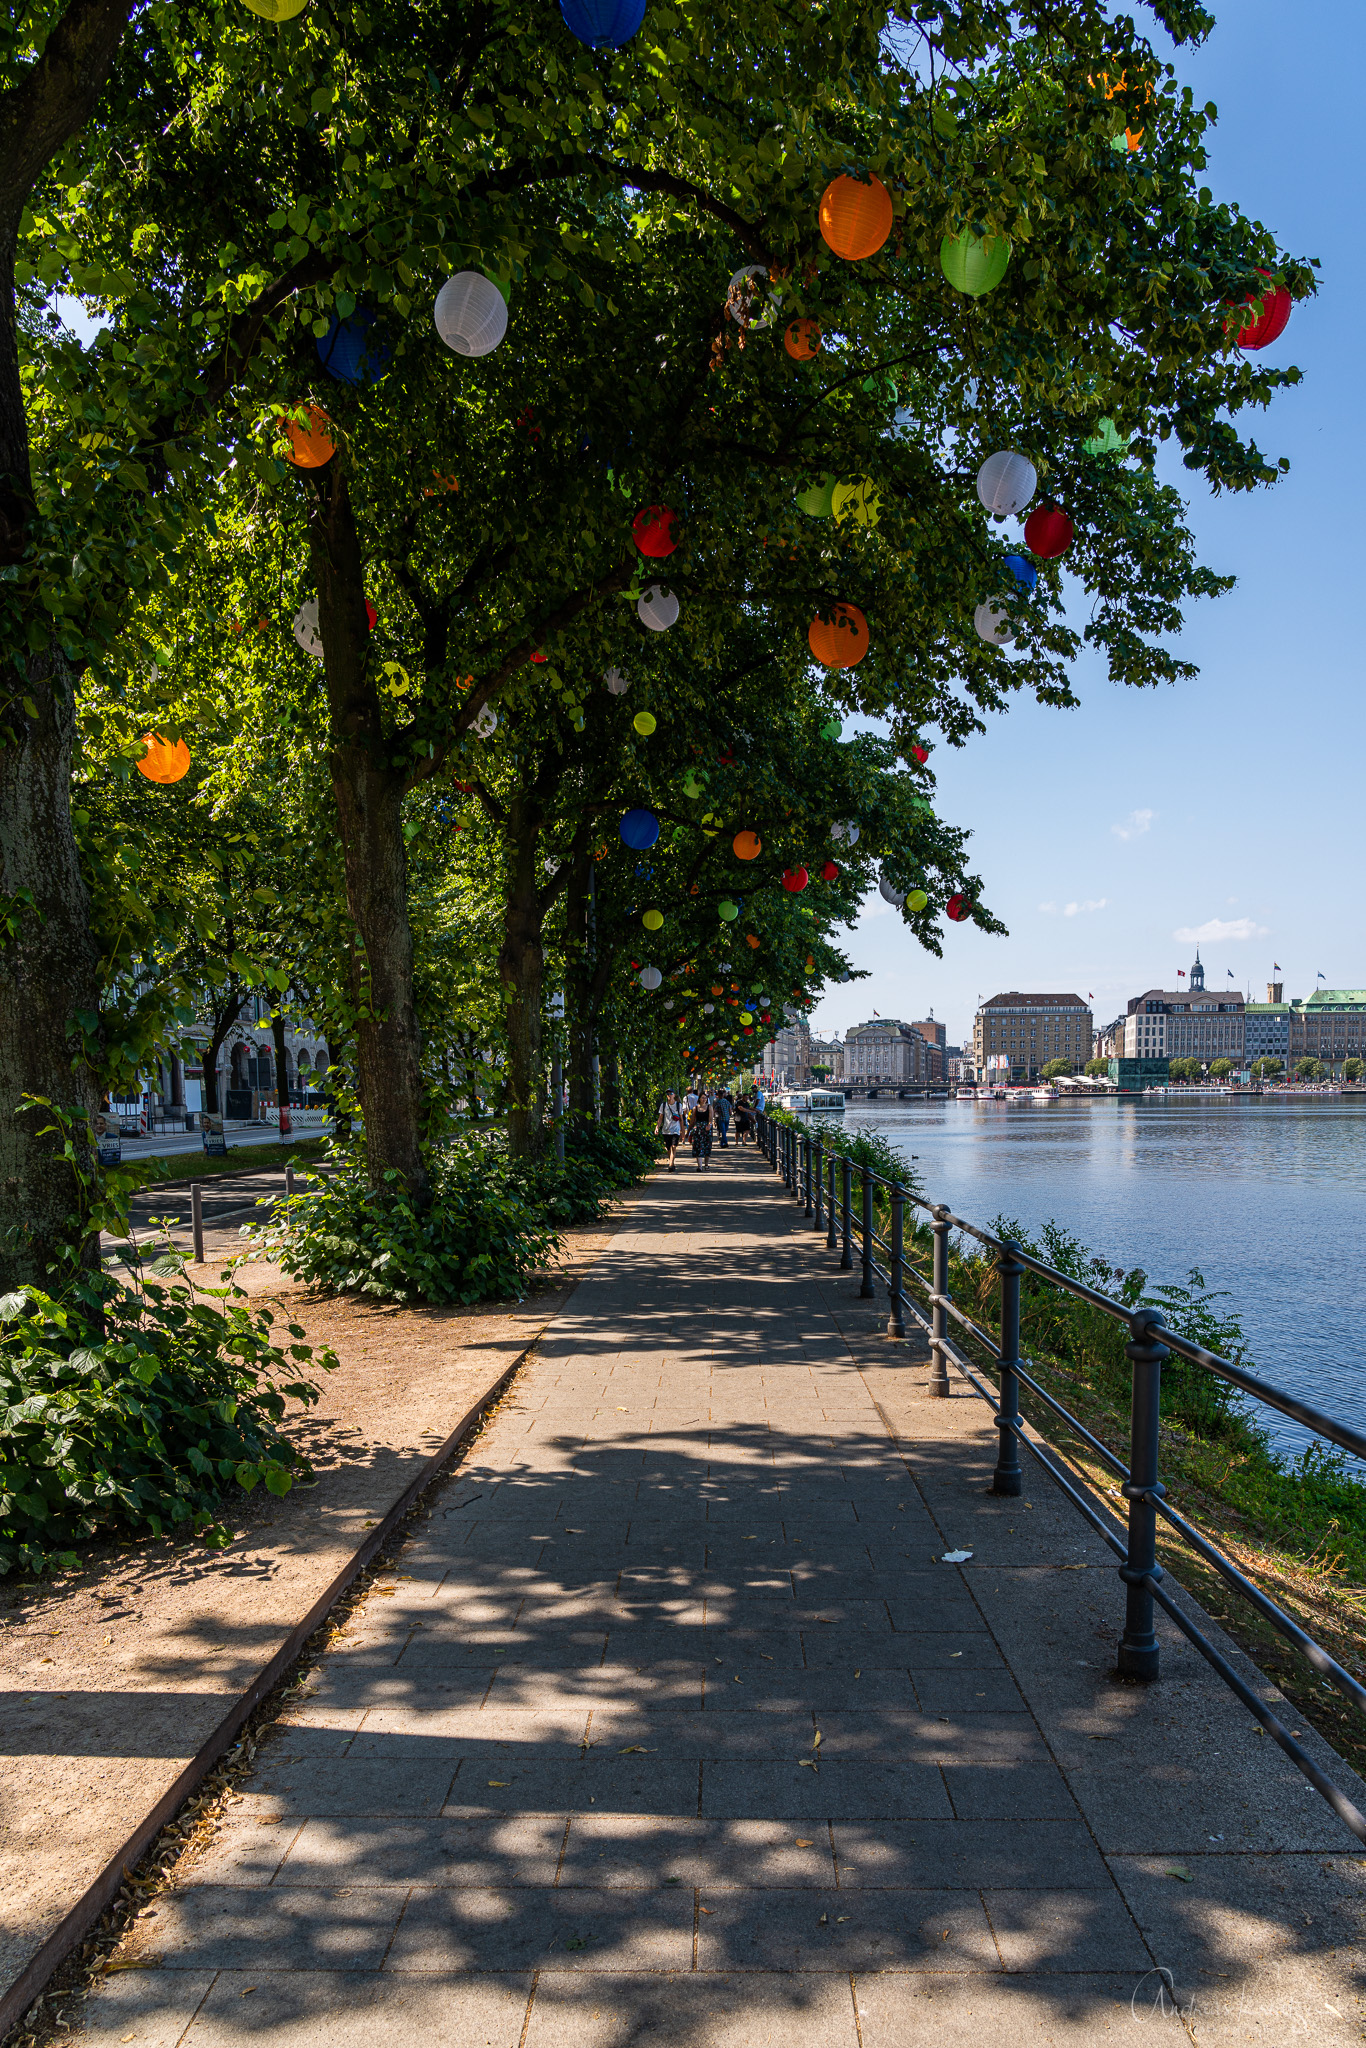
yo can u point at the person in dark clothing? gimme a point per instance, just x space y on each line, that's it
702 1131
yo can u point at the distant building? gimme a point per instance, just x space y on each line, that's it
935 1036
1132 1076
1194 1023
1109 1040
1266 1027
828 1053
884 1052
787 1059
1330 1026
1018 1034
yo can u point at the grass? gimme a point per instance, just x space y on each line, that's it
1296 1529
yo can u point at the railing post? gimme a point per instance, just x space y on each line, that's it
804 1186
784 1162
289 1181
1006 1478
197 1220
939 1315
831 1220
815 1187
896 1317
1138 1649
847 1216
866 1290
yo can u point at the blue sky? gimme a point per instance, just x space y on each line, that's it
1231 805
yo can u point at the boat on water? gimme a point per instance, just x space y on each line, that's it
814 1101
1043 1094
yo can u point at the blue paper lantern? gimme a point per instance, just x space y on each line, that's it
351 351
603 24
639 829
1023 570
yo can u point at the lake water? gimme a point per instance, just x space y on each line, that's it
1267 1198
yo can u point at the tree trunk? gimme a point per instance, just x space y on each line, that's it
578 998
369 793
49 979
521 967
223 1021
277 1032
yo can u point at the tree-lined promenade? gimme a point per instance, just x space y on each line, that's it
511 448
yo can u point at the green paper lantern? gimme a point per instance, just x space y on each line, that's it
818 500
917 900
974 263
832 729
652 920
1107 440
727 911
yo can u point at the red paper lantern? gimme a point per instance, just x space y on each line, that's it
1048 531
652 531
795 880
371 615
539 657
1270 322
829 871
922 754
958 907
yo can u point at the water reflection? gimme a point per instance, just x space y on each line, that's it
1266 1197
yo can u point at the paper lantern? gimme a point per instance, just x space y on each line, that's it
958 907
917 899
746 1016
1269 322
803 340
603 24
727 911
831 730
352 351
795 880
710 824
312 444
747 303
889 892
747 846
818 500
644 723
841 641
751 939
639 829
974 263
1107 440
1127 138
1006 482
829 871
921 754
658 608
652 531
485 723
616 682
1021 568
539 658
650 977
859 500
277 10
1048 531
652 920
993 624
855 218
471 313
845 832
165 760
306 629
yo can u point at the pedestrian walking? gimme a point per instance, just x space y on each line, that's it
671 1124
701 1131
723 1106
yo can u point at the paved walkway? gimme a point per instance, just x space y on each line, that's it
673 1728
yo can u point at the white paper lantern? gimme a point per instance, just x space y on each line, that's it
845 833
762 304
1006 482
306 629
725 967
707 1009
616 682
650 977
485 724
889 892
658 608
763 1002
668 1002
993 624
471 313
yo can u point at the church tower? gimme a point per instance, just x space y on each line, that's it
1197 975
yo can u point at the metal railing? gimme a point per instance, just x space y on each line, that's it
809 1170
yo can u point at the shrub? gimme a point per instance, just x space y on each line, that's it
125 1410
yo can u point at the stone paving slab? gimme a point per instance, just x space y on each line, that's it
673 1728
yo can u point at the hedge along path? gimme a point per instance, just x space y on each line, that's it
129 1681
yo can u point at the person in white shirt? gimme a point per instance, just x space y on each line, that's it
671 1124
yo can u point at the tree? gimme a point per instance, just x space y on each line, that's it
1220 1069
1352 1070
1309 1069
1098 1070
1056 1068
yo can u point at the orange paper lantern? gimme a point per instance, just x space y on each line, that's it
312 445
841 641
751 940
803 340
856 218
165 760
747 846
